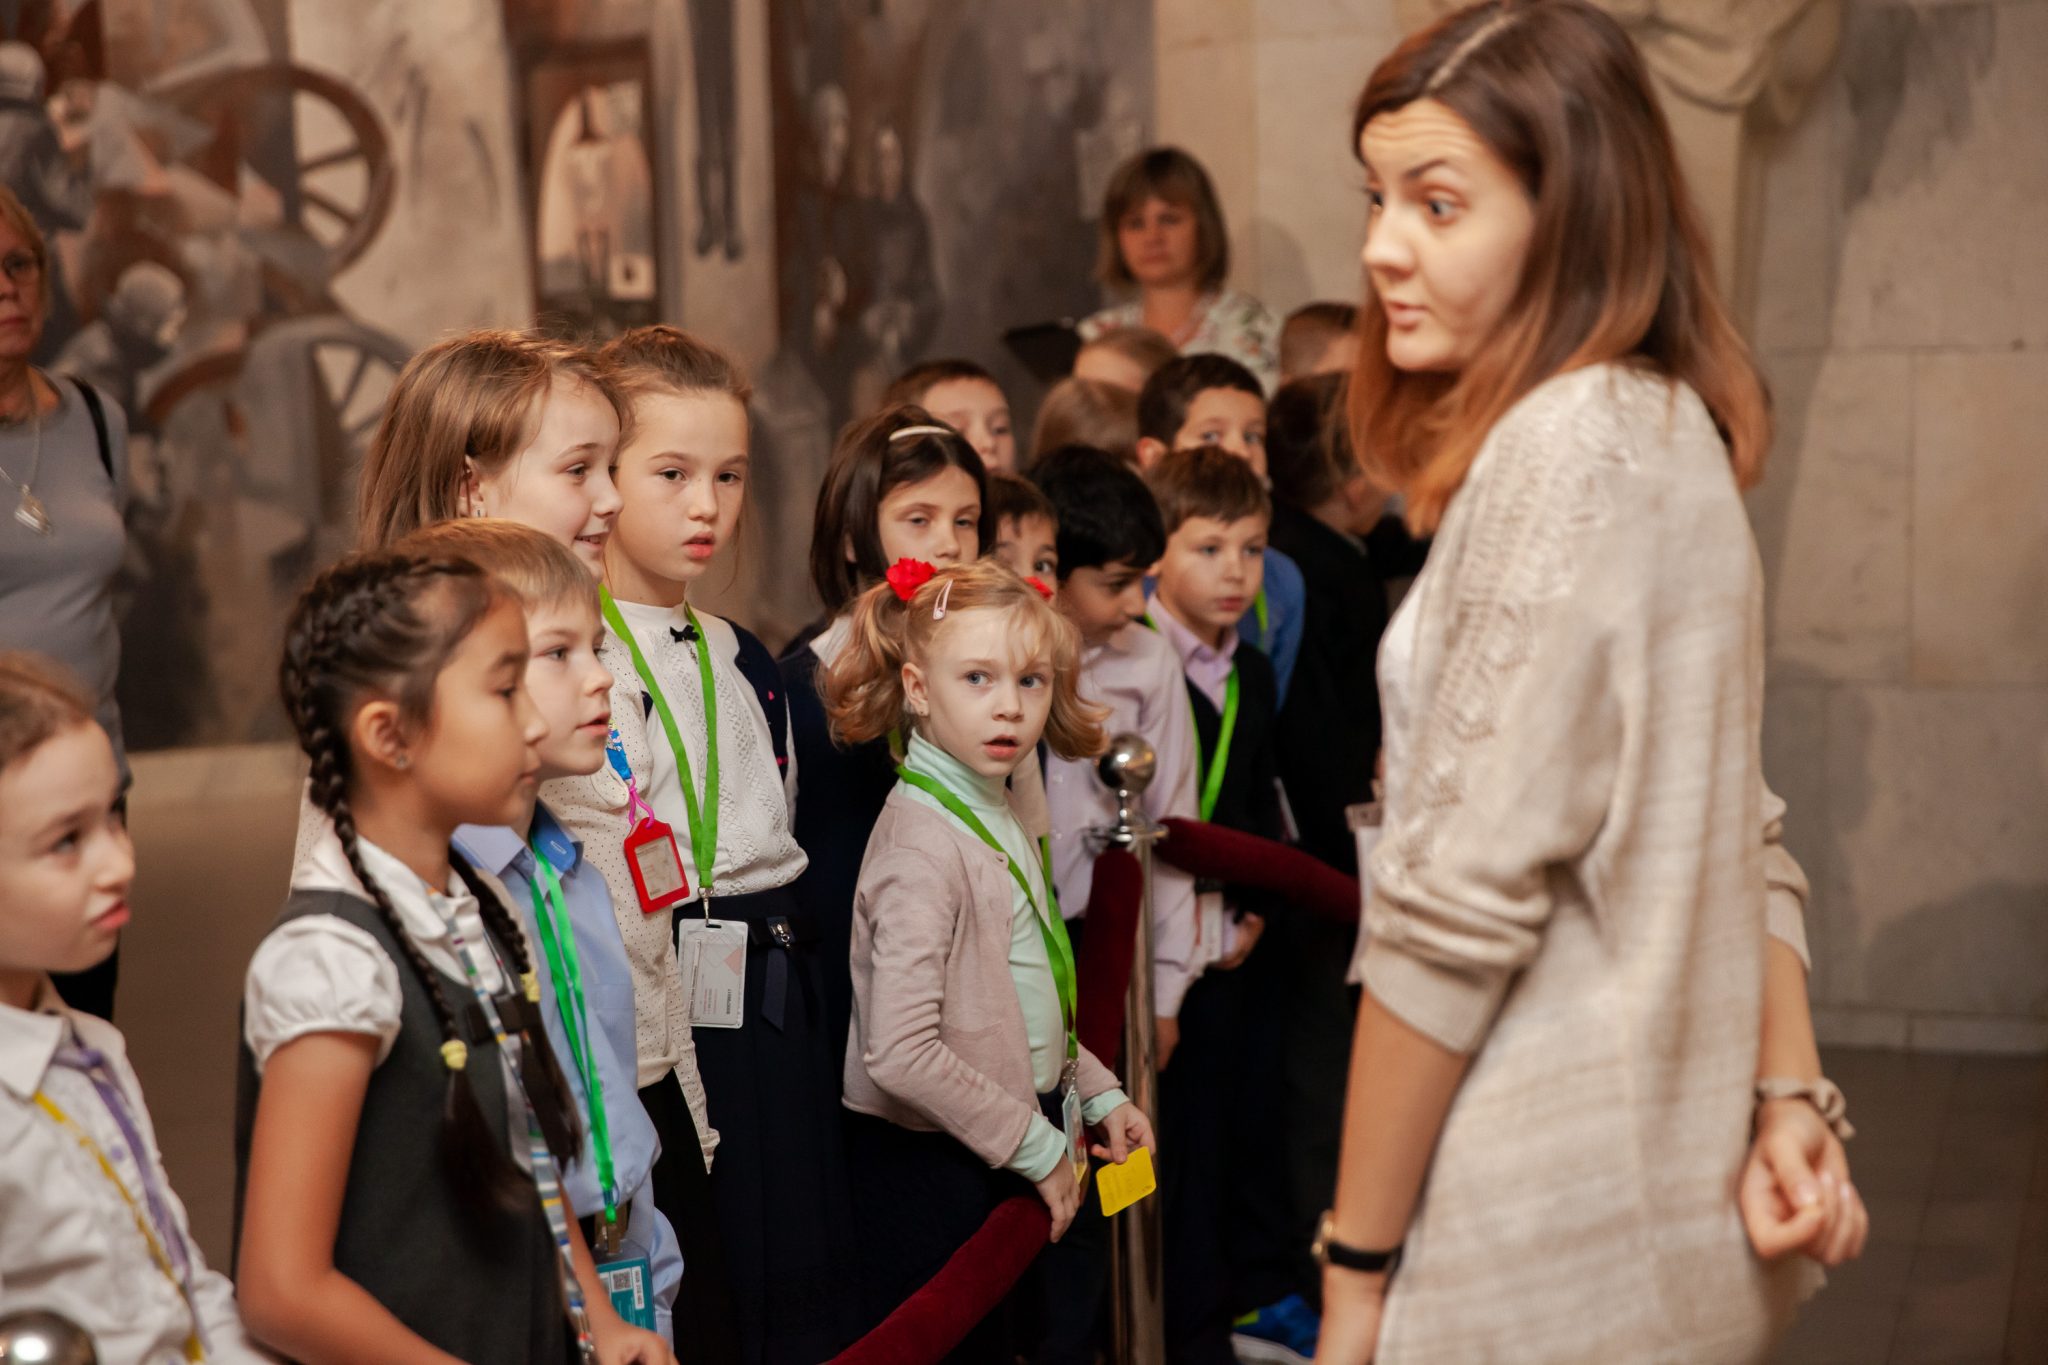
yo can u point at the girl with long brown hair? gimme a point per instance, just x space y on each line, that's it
1585 1027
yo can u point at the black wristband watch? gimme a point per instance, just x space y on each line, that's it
1329 1251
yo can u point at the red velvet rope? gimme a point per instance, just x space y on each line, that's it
1229 855
938 1317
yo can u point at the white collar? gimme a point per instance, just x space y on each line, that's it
29 1038
831 641
422 911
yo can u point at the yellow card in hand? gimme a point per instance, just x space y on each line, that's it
1123 1186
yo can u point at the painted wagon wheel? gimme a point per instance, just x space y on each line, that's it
342 180
346 369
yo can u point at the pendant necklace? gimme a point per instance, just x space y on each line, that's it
30 511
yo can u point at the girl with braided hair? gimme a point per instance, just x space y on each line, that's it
395 986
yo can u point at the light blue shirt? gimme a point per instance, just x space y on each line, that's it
608 1000
1286 606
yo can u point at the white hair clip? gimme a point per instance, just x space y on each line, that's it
926 430
939 607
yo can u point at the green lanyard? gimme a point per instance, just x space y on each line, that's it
1059 949
703 816
1265 615
1212 777
1212 767
558 940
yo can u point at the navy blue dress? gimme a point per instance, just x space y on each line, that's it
840 792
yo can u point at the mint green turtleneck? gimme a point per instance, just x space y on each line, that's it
1030 969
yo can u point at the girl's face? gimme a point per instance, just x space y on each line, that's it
1447 235
477 761
936 519
983 690
65 860
978 411
683 474
560 483
1158 242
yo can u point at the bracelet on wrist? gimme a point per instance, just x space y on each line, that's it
1823 1094
1328 1251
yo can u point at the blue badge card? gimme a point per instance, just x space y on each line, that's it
630 1283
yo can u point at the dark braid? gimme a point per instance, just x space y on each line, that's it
367 624
554 1104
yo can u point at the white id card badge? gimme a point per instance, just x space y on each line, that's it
713 954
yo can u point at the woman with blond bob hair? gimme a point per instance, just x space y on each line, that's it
1586 1117
1163 243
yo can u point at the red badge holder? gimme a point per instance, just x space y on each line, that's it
653 858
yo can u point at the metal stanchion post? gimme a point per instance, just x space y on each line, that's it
44 1337
1137 1269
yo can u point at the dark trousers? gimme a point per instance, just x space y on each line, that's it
707 1327
1064 1299
1200 1093
917 1198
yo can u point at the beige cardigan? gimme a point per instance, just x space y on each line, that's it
938 1039
1578 872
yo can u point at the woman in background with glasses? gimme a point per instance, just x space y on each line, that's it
63 485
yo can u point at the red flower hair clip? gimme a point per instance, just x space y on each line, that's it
1038 585
906 576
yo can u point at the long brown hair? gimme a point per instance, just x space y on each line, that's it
1617 268
863 690
476 395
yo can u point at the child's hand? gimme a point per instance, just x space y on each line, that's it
1165 1038
1248 930
1061 1191
1127 1129
1795 1193
621 1343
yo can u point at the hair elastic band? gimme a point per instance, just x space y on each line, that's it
455 1054
945 595
925 430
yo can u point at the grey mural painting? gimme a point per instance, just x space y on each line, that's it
201 193
590 161
255 208
938 169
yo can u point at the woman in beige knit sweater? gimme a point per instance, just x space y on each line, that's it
1586 1118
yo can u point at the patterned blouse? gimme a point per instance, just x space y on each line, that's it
1227 323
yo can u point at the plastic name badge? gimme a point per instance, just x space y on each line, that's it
630 1285
713 954
1123 1186
657 866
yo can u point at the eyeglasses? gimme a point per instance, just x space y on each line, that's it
21 267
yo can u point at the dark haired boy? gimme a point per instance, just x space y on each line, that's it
1027 529
1109 535
1211 400
1216 513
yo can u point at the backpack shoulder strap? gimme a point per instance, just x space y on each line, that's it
95 410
